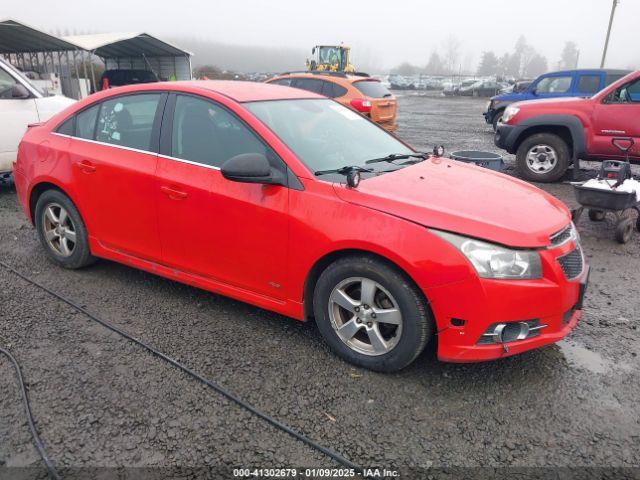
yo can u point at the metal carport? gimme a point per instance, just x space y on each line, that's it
30 49
136 51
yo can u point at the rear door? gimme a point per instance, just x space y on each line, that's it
114 158
617 116
231 232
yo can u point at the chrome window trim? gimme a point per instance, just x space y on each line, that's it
122 147
211 167
190 162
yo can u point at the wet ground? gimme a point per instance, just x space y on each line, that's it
101 402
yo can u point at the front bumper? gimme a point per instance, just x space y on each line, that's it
488 115
465 310
506 137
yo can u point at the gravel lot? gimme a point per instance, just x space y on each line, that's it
100 401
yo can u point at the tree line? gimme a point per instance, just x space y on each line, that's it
523 62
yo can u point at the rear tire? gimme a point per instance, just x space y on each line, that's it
381 304
61 231
543 157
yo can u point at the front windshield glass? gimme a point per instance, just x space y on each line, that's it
325 135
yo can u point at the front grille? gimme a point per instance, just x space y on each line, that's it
572 264
561 237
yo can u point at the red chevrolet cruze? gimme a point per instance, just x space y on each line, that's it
251 190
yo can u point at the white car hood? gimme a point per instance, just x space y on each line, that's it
49 106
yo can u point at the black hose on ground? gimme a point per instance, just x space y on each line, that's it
53 473
211 384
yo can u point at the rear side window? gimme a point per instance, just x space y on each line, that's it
612 77
86 123
589 84
68 127
333 90
128 121
283 81
206 133
311 84
554 85
372 88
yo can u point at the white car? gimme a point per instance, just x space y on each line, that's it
21 103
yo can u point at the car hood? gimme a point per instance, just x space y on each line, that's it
544 102
508 97
452 196
49 106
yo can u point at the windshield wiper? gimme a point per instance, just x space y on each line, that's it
344 170
399 156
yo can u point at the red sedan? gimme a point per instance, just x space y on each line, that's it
241 189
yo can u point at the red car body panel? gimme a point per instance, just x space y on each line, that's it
174 214
601 121
423 194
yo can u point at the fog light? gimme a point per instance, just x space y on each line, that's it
507 332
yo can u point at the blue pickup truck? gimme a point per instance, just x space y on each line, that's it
569 83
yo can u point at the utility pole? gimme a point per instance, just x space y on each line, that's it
606 43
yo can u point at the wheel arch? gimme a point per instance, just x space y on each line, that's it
567 127
323 262
39 188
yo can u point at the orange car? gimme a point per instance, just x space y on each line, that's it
361 93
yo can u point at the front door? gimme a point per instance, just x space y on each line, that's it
235 233
15 115
114 157
617 116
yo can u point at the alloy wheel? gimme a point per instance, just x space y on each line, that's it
59 230
541 159
365 316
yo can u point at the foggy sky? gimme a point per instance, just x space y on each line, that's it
382 34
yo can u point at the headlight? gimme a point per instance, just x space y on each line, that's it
495 261
509 113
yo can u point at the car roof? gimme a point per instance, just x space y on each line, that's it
608 71
240 91
329 76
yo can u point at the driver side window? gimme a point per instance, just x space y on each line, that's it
7 82
554 85
629 93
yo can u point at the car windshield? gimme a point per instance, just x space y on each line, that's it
325 135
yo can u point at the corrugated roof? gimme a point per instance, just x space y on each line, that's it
112 45
17 37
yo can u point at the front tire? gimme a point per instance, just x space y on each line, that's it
496 119
61 230
543 157
370 314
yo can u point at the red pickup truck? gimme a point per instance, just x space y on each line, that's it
547 136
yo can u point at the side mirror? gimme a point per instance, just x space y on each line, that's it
251 168
19 92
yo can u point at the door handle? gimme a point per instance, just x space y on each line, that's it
173 193
86 166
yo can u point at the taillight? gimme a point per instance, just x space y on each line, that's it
361 104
